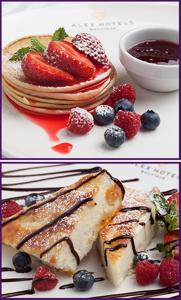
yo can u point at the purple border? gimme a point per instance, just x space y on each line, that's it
92 158
106 162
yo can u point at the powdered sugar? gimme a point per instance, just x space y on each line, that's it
113 130
13 68
103 110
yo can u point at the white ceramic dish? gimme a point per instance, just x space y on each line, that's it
25 139
155 77
165 176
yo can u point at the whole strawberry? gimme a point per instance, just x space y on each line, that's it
10 208
80 121
91 46
128 121
44 279
169 271
122 91
146 272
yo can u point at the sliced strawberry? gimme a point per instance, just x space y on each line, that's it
171 236
37 70
174 197
63 55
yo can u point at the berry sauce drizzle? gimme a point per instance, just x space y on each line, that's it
51 124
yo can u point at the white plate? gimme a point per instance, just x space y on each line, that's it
165 176
22 138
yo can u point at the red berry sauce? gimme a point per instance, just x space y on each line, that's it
156 52
51 124
63 148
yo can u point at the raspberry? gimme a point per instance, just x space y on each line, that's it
44 279
169 271
128 121
10 208
91 46
126 91
146 272
80 121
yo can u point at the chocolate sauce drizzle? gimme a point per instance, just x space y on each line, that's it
126 209
144 293
66 173
67 286
19 293
50 189
7 269
127 222
69 242
169 192
37 167
16 279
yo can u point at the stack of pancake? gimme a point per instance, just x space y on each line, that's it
52 100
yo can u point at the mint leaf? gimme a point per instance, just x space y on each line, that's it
59 34
168 212
172 217
160 203
36 45
160 247
18 55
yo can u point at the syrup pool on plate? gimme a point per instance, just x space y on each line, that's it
156 52
51 124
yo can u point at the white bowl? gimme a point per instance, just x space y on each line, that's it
160 78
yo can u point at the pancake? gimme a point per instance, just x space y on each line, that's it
84 94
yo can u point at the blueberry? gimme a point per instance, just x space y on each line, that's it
83 280
123 104
32 198
114 136
141 256
103 114
22 262
150 120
